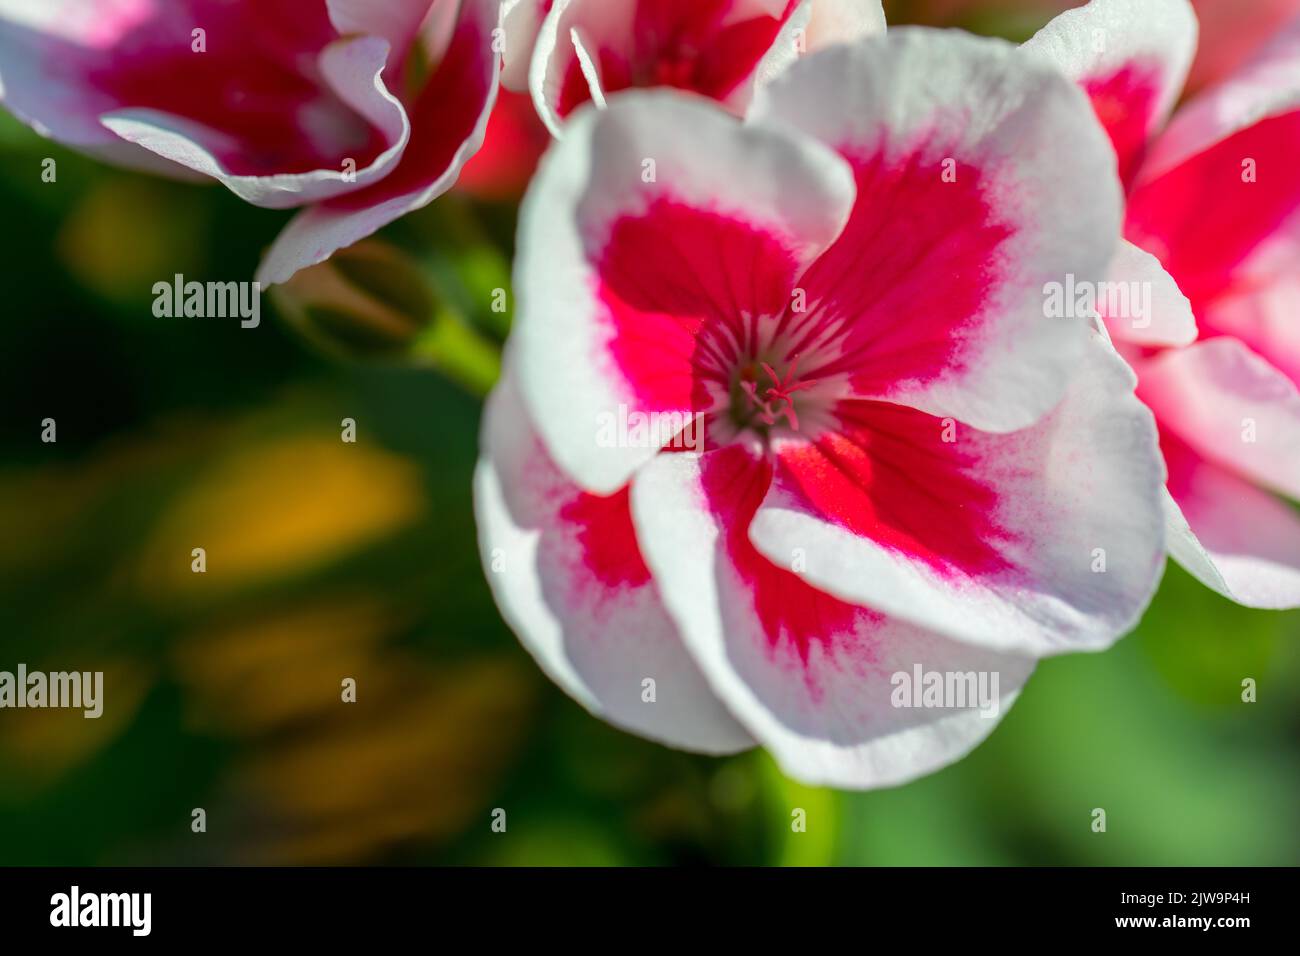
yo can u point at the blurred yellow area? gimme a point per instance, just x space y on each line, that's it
278 509
252 673
414 757
90 244
42 508
419 762
269 499
48 742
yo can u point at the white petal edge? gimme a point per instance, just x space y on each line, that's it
349 65
1157 312
855 741
603 671
1252 561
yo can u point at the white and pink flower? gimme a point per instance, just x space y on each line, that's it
1214 199
899 460
358 110
570 52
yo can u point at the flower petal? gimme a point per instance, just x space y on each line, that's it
567 573
1230 405
521 20
1131 57
1267 86
813 25
1262 316
617 275
352 67
1231 33
448 122
513 145
1040 542
397 21
1209 218
45 48
273 105
598 47
1235 538
811 677
843 21
982 177
1143 304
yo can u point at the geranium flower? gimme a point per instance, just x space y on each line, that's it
784 417
588 49
1214 197
359 110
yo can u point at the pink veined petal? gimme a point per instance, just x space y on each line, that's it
1267 86
568 576
350 66
654 236
593 48
977 188
273 106
1208 218
1042 541
1230 405
1131 58
1235 538
448 121
811 677
1141 304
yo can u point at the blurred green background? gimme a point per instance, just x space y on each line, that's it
329 560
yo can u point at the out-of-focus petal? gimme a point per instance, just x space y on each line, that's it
1267 86
449 119
267 98
1232 536
1230 405
592 48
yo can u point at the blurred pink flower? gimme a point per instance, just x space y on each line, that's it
358 110
512 146
783 418
589 49
1214 197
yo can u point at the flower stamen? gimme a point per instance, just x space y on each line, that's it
769 404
